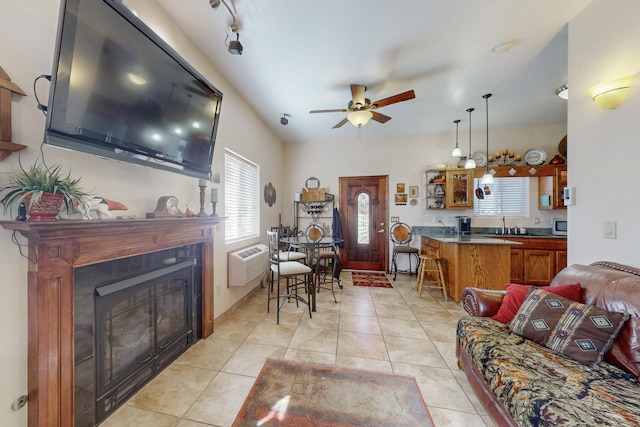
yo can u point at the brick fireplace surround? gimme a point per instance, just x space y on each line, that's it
55 249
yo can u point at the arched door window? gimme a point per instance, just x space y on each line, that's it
363 219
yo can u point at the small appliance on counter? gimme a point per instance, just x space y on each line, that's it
463 224
559 227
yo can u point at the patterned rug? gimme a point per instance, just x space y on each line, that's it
376 280
296 394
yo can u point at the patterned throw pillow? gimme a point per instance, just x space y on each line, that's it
579 331
517 293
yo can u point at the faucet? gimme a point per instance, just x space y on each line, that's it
446 229
503 228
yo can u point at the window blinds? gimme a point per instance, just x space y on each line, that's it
241 201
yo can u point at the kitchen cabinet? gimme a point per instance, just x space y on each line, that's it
537 260
450 189
436 192
459 188
550 189
466 261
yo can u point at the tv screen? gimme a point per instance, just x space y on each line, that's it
119 91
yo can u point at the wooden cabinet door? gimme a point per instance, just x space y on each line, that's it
459 189
539 266
517 266
561 260
559 182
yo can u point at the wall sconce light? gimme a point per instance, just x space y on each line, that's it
563 91
610 95
359 118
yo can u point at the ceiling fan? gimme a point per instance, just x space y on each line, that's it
361 109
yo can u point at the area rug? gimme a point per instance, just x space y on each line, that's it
288 393
376 280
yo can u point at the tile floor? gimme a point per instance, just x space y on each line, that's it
390 330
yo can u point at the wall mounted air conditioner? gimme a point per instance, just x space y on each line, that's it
244 265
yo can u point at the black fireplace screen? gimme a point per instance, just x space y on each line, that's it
138 325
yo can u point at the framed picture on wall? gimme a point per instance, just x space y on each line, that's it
401 199
413 192
400 187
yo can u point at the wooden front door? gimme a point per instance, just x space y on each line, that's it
363 208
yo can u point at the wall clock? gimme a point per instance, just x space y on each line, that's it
167 207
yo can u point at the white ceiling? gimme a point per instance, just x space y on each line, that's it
302 55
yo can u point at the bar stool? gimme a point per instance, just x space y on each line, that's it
430 269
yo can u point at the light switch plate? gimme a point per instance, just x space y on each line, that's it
395 219
610 230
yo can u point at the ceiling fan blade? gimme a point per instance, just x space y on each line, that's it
404 96
357 94
328 111
380 118
339 124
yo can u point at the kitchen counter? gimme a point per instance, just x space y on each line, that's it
469 260
473 239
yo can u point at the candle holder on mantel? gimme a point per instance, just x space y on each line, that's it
202 186
213 205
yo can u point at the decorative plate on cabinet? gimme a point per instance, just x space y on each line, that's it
535 156
480 158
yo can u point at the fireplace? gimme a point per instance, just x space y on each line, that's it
134 267
133 317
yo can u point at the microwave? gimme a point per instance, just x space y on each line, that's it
559 227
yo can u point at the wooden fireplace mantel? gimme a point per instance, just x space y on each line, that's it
55 249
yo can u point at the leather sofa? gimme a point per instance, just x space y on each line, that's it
610 286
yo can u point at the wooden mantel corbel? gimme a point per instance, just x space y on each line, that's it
7 87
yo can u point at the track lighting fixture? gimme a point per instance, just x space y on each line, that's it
283 120
234 47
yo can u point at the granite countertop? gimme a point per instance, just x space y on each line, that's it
440 233
469 239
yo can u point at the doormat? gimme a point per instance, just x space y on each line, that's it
376 280
288 393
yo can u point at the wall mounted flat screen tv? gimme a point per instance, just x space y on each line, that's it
119 91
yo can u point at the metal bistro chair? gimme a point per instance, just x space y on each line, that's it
289 270
325 260
401 237
287 253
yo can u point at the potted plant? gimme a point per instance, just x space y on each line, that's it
43 189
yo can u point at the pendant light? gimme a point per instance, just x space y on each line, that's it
470 163
457 152
487 178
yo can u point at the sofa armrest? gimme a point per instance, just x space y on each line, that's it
482 302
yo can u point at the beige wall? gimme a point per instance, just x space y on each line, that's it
28 31
604 41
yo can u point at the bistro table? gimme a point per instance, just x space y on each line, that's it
312 248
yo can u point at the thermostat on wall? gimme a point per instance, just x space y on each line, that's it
569 196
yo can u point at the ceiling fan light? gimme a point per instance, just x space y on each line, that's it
359 118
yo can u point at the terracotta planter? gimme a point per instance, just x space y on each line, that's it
46 209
